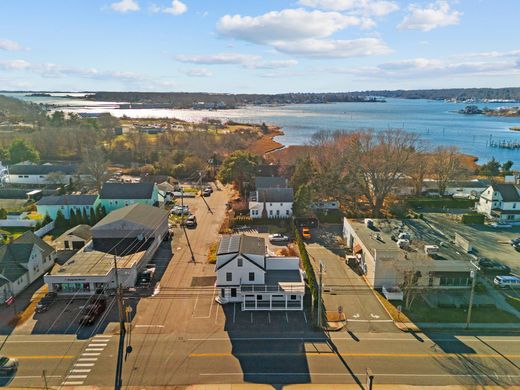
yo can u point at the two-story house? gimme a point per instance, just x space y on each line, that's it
66 203
271 198
22 261
501 202
247 274
114 196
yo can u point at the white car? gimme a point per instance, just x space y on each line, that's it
8 365
179 210
278 238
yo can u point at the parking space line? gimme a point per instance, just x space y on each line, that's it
75 370
77 377
90 354
234 310
84 365
269 316
97 345
94 349
251 317
87 359
71 383
286 317
304 316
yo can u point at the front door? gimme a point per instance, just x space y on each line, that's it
233 293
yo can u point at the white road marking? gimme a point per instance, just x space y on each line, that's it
90 354
94 349
84 365
356 315
97 345
374 315
286 317
351 320
77 377
87 359
149 326
76 370
71 383
304 316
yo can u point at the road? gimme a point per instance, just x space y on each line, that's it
180 336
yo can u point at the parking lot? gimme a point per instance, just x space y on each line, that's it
489 242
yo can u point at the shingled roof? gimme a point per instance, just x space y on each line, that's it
75 200
509 192
14 255
127 191
29 169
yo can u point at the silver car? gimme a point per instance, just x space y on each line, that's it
8 366
278 238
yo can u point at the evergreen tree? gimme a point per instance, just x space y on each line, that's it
84 217
60 221
73 219
100 212
92 219
46 220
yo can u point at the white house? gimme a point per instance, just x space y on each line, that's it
22 261
501 202
271 203
40 174
246 274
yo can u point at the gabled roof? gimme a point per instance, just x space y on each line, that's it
275 195
270 182
509 192
16 253
72 200
241 244
127 191
21 169
80 231
139 214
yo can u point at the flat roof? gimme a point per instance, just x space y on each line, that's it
95 263
274 277
382 238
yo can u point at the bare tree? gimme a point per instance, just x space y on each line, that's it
56 178
446 165
410 287
417 171
95 164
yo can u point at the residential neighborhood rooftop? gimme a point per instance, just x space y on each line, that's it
270 182
242 244
31 169
139 214
80 231
509 192
275 195
77 200
126 190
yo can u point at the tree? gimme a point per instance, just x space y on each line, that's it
490 169
375 162
47 219
92 217
239 168
3 213
445 166
304 173
56 178
303 200
60 221
73 219
20 150
100 212
506 167
95 164
84 217
409 286
418 170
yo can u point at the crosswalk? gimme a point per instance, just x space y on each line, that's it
86 362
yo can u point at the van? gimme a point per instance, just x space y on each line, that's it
507 281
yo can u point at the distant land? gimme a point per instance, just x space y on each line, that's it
501 111
509 94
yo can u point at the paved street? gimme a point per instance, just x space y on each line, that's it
181 336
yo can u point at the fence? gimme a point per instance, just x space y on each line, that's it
28 223
45 229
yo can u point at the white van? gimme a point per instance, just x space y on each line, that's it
507 281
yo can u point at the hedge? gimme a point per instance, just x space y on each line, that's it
473 219
439 203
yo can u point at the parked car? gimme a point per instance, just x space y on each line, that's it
493 266
45 302
503 281
208 188
145 278
306 233
8 366
515 241
278 238
92 312
179 210
206 192
191 222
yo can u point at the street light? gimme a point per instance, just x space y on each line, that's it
473 282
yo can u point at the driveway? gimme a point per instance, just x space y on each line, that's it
343 287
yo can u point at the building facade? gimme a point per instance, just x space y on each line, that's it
501 202
246 274
114 196
271 203
66 203
44 174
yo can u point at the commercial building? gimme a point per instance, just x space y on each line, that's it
66 203
127 237
22 261
246 274
113 196
387 252
73 239
45 174
501 202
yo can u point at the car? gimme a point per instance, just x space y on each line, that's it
515 241
504 281
208 188
191 222
306 233
45 302
8 365
493 266
278 238
92 311
179 210
144 279
206 192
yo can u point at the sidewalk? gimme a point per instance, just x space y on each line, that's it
462 325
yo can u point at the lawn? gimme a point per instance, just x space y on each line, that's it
423 313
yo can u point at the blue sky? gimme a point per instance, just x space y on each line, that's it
263 46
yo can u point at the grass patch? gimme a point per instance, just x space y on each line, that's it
392 309
515 302
440 203
421 312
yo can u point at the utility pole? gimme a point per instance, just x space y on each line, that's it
201 195
183 226
122 331
319 293
45 380
471 296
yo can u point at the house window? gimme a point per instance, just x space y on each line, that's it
293 297
223 292
277 212
41 176
514 205
287 212
229 276
270 204
270 212
251 276
20 176
259 297
240 262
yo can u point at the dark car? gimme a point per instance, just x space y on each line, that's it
8 366
144 279
92 311
191 222
45 302
493 266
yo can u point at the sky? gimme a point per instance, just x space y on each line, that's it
258 46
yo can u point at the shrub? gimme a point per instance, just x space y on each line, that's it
473 219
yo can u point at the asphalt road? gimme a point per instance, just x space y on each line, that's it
180 336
